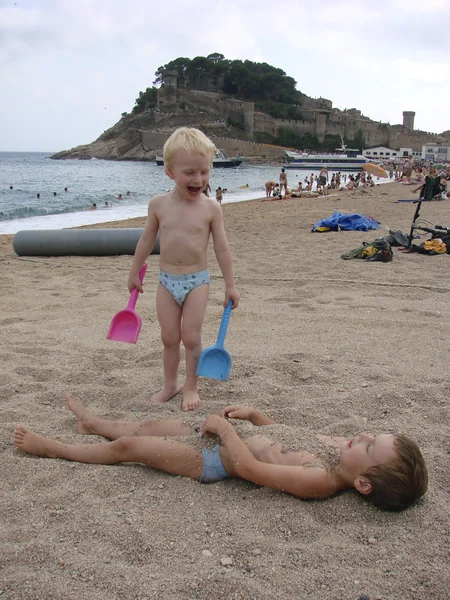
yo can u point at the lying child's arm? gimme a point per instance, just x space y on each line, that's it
246 413
298 481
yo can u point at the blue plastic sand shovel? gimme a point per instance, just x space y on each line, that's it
126 324
215 361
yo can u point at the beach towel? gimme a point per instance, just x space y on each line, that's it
342 222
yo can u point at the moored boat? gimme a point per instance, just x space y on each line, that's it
345 159
219 161
223 163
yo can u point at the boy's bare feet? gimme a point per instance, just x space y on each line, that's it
85 421
191 400
34 444
165 394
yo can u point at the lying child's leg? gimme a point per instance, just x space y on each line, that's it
165 455
88 424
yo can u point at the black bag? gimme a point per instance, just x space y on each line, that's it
383 251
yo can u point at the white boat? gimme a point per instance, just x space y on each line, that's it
219 160
345 159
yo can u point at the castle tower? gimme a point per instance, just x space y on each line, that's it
249 114
408 119
170 78
167 93
321 124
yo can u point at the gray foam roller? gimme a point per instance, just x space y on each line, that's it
78 242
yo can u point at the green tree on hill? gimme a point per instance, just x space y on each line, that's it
145 100
245 80
272 91
180 65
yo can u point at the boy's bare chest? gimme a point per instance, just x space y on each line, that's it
265 450
185 221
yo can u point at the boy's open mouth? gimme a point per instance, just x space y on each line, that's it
194 190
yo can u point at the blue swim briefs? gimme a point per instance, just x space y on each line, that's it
213 469
179 286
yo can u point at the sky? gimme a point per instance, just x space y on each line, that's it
70 68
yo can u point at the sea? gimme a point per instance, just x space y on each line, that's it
24 175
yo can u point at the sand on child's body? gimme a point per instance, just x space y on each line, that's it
318 343
289 439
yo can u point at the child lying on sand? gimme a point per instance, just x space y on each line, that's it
387 469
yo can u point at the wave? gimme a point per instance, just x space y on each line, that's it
21 212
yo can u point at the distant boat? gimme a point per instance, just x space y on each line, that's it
219 161
345 159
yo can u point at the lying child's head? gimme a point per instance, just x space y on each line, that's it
190 140
401 481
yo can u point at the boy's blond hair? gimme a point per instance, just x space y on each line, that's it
190 140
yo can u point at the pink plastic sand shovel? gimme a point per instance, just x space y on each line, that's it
126 324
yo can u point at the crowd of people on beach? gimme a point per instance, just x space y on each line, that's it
409 173
387 469
317 185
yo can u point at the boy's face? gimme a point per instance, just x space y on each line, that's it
190 172
365 451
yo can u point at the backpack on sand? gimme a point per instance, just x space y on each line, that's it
378 250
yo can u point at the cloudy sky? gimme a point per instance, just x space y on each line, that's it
69 68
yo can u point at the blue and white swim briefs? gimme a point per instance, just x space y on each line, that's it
213 469
179 286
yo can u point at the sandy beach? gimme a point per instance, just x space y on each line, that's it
335 346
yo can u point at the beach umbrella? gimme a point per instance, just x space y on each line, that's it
375 170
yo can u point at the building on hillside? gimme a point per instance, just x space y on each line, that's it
380 152
405 152
318 118
386 152
436 152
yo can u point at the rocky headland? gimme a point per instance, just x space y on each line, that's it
248 109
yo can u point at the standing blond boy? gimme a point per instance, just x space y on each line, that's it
185 218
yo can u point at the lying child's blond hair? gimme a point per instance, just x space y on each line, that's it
190 140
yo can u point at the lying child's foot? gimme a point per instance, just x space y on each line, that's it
165 394
85 421
34 444
191 400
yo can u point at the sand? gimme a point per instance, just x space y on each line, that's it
317 342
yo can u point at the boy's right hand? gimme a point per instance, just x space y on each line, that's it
134 282
237 412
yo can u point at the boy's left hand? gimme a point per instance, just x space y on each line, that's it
232 293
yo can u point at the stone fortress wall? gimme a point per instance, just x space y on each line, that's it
154 141
319 117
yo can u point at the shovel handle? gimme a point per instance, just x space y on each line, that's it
224 324
135 293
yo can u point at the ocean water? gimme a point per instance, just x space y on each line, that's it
100 181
